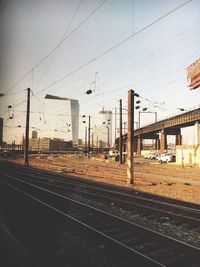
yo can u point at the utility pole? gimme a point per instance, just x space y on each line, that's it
124 127
139 119
108 137
85 140
92 143
130 145
115 123
120 131
26 155
89 138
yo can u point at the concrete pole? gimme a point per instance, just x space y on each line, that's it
115 123
139 119
108 136
85 140
163 141
92 143
196 136
130 141
26 156
139 145
120 132
89 137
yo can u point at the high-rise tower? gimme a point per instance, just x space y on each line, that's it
104 129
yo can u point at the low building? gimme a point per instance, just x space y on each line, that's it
34 144
48 144
188 155
79 143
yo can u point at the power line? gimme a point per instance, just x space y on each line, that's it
147 80
56 47
132 35
63 37
95 59
154 53
134 55
115 46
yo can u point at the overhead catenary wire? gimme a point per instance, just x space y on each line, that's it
142 82
167 14
154 52
82 85
115 46
62 38
58 45
133 56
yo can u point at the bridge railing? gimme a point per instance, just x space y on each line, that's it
170 116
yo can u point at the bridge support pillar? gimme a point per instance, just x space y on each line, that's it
163 141
157 144
178 139
139 145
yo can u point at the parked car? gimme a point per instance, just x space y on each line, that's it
151 156
167 157
113 153
154 156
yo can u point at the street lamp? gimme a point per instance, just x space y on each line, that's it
108 143
84 116
11 116
85 135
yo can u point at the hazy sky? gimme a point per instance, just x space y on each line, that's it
153 62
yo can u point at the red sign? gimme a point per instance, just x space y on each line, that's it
193 75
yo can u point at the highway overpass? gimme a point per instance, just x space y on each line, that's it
159 130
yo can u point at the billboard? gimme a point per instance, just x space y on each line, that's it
193 75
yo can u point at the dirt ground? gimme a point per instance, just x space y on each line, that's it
169 179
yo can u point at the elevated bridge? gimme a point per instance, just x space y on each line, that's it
159 131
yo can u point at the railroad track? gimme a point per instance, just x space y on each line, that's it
105 192
181 222
61 240
157 248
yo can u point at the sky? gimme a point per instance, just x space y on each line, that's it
65 47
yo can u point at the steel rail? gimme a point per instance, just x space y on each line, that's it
94 195
109 214
176 243
156 263
166 204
